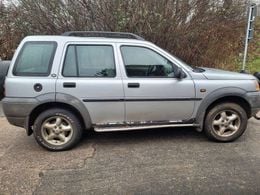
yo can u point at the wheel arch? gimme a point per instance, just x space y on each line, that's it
233 95
233 99
63 101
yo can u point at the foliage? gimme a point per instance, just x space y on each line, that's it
253 64
201 32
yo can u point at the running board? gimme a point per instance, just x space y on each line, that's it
128 128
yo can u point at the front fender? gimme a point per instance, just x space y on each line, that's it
214 96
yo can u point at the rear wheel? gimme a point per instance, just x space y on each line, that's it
57 130
225 122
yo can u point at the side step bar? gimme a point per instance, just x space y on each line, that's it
128 128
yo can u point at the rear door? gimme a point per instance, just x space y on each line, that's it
89 73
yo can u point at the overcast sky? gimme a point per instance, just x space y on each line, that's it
256 1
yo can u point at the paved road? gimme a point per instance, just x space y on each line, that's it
165 161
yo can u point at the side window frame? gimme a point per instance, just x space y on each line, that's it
76 60
65 58
174 66
50 65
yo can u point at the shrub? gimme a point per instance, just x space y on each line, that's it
201 32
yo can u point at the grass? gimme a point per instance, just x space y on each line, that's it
253 64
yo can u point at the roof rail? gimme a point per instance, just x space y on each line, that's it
103 34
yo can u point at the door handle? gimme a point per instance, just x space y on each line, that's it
69 85
133 85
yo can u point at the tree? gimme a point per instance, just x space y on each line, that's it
201 32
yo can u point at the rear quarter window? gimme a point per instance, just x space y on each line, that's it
35 59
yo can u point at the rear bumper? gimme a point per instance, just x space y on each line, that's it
17 110
17 121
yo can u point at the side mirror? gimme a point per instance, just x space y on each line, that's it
179 73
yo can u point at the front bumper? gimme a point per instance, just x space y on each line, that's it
254 100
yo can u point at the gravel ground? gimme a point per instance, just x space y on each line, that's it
162 161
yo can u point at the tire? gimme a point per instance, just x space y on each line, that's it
225 127
57 129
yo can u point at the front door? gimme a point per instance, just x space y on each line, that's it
151 91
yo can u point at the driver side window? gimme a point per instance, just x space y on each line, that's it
144 62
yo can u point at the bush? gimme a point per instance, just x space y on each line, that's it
201 32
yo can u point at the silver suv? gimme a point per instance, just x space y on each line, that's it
58 86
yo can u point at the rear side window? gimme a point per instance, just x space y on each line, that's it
89 61
35 59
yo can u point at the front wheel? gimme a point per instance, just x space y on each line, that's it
225 122
57 129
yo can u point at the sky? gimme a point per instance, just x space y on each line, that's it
256 1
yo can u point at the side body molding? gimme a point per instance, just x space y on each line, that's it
212 97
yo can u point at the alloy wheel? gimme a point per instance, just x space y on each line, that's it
226 123
57 130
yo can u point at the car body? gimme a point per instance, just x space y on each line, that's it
113 84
